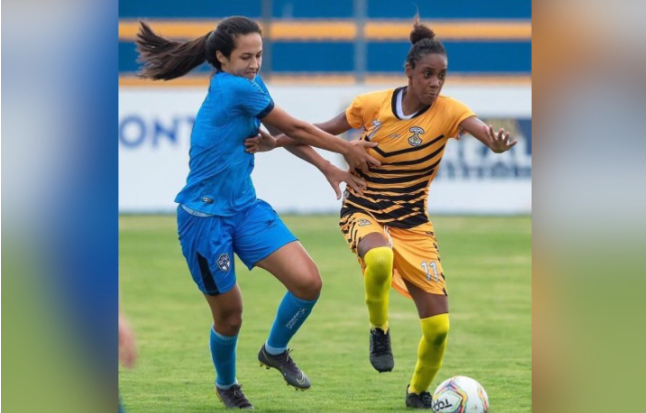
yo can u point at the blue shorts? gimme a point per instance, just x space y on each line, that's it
208 243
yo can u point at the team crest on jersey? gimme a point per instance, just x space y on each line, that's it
375 127
363 222
224 262
415 140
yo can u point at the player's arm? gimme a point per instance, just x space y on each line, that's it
333 174
263 143
497 142
306 133
335 126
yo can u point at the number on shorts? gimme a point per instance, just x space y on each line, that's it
428 267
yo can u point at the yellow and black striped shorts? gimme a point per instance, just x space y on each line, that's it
416 255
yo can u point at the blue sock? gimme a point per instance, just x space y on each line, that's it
292 313
223 354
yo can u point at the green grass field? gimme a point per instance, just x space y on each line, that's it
487 261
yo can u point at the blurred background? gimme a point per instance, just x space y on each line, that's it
319 55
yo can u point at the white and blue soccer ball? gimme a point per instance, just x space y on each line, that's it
460 394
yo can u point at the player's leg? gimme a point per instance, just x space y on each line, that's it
292 266
368 240
263 240
420 272
377 257
207 246
226 309
433 310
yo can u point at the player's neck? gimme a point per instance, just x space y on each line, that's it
410 104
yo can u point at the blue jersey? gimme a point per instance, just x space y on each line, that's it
219 181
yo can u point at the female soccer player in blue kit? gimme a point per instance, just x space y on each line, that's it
218 211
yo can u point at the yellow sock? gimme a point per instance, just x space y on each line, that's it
377 278
430 352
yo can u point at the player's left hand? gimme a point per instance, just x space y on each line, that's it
264 142
335 176
499 142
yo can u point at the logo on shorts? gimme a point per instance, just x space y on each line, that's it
224 262
363 222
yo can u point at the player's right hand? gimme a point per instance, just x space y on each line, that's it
335 176
357 157
264 142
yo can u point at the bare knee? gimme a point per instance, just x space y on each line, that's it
228 323
310 286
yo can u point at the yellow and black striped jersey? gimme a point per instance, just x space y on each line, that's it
410 150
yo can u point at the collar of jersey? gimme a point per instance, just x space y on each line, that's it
396 103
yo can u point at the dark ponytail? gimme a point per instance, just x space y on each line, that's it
164 59
424 43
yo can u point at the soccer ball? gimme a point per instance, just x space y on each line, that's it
460 394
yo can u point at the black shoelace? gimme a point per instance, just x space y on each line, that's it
381 343
287 361
426 398
239 399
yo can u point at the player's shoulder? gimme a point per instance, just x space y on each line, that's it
449 101
446 100
375 98
377 95
258 80
237 83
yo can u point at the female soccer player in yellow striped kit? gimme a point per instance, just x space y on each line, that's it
387 223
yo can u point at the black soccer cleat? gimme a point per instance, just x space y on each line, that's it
284 363
233 397
381 355
424 400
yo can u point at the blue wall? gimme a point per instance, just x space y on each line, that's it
465 57
387 57
175 9
322 9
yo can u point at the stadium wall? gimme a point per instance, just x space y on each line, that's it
154 137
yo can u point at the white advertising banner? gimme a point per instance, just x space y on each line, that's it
154 137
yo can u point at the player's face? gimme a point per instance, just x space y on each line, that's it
428 77
245 60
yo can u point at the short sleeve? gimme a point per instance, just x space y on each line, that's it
355 113
252 98
457 112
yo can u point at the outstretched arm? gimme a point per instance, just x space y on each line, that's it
334 175
335 126
262 143
303 132
497 142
